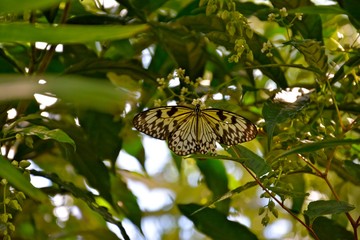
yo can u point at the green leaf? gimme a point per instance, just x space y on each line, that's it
86 196
216 180
256 163
310 27
352 6
353 169
313 52
214 28
278 112
297 181
215 224
322 207
187 50
318 9
18 6
275 113
133 145
228 195
98 95
129 205
22 32
328 229
103 133
311 147
45 134
283 193
274 72
352 63
87 161
19 181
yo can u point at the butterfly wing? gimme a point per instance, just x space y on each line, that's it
161 121
194 135
193 130
229 127
207 136
183 140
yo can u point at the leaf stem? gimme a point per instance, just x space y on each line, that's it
281 204
277 200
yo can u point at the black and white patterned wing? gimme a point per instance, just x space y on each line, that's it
229 127
183 140
195 135
161 121
207 136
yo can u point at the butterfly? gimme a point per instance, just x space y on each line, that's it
194 130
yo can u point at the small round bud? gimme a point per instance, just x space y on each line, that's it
24 163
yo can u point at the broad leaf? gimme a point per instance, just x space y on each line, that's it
125 200
256 163
277 112
216 180
87 162
310 147
84 92
22 32
215 224
103 134
18 6
46 134
322 207
310 27
353 169
228 195
314 54
328 229
348 66
245 156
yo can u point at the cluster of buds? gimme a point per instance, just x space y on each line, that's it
163 83
279 17
12 201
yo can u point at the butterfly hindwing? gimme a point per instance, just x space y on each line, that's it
183 140
207 136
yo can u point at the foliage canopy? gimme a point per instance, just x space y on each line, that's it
73 74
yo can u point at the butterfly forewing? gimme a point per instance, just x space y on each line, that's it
230 128
160 122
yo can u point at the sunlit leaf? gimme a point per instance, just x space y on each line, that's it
46 134
21 32
85 92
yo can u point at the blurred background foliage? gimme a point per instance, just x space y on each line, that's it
74 73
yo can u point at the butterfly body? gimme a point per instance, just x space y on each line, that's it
194 130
